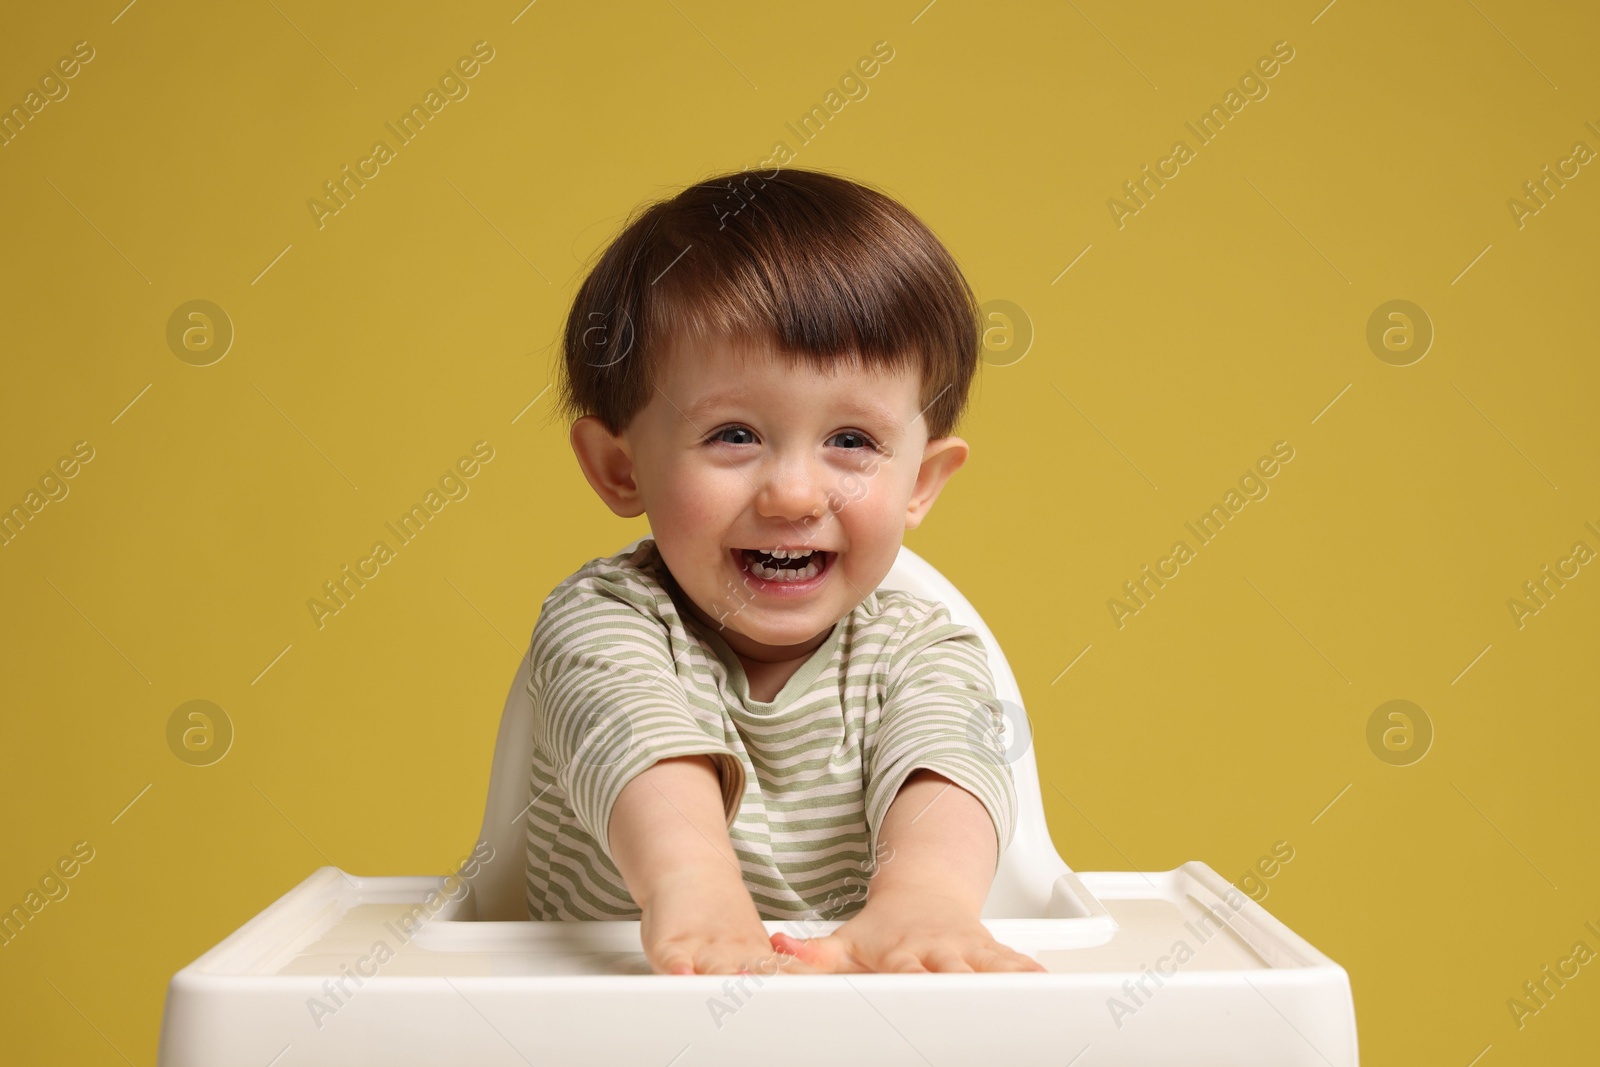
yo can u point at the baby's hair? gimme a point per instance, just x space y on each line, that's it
811 265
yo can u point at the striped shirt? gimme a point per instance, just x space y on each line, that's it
623 676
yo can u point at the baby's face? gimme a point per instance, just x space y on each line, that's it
739 449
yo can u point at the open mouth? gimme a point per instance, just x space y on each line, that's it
784 567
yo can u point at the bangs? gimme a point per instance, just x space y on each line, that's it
808 265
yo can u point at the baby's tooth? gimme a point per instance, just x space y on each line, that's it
784 574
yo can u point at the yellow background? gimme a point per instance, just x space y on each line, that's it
1227 315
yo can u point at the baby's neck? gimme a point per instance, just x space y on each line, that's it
766 680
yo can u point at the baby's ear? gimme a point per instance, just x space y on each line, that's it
607 464
941 459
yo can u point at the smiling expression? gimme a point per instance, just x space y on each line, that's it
741 448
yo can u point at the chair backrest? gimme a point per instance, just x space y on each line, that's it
1028 869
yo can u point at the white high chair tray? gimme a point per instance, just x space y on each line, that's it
302 985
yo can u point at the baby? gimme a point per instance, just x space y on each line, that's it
733 723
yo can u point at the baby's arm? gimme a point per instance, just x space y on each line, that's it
669 840
938 775
938 840
641 774
925 898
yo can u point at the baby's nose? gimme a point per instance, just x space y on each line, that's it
793 491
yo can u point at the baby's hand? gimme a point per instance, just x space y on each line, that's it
697 928
907 931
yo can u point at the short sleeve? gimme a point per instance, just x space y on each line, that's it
608 702
941 712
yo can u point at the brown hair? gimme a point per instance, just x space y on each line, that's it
816 266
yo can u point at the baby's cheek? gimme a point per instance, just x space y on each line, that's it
880 509
854 485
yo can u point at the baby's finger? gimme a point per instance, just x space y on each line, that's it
1001 958
943 959
1025 962
711 957
793 964
777 962
824 955
739 959
678 961
901 961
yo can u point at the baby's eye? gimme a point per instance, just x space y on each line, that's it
717 438
863 441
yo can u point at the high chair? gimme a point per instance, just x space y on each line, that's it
1163 968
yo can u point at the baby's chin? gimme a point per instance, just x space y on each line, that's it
788 641
774 631
753 632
